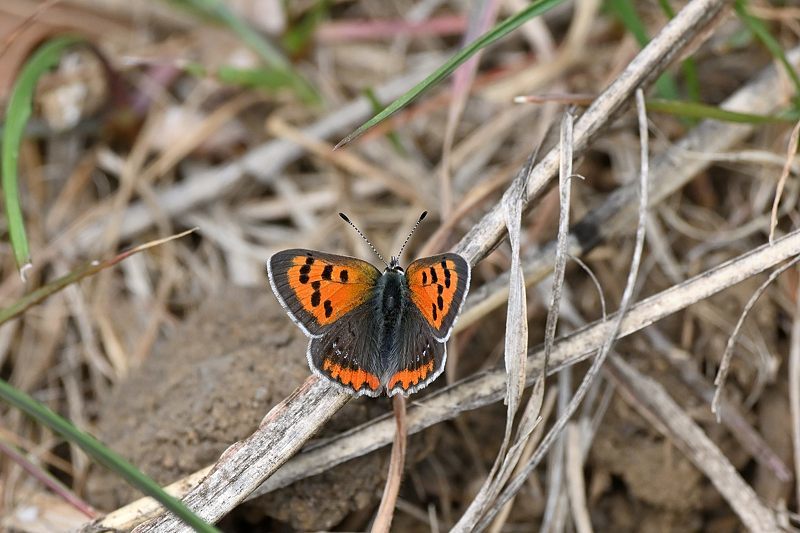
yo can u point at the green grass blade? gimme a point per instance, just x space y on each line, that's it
266 79
499 31
688 65
702 111
299 35
217 10
626 13
101 454
18 111
762 32
392 135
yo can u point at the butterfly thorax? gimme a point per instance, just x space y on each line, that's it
391 303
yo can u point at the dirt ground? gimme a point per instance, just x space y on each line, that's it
209 386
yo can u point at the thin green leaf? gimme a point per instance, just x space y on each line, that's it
703 111
258 78
298 37
392 135
626 13
690 75
498 32
101 454
688 65
264 78
217 10
666 7
764 35
18 111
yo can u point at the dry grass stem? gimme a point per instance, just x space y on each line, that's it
688 24
564 185
725 362
516 483
671 170
647 396
515 351
575 484
794 390
791 152
730 415
383 518
555 470
530 446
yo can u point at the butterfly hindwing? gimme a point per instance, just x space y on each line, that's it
438 286
417 356
317 289
348 352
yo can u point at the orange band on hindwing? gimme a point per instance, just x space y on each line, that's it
409 377
355 378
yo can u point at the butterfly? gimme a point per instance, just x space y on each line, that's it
372 331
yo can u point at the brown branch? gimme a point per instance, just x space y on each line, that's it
383 519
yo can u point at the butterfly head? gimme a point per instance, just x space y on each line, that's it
394 265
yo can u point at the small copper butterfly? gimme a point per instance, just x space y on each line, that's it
370 330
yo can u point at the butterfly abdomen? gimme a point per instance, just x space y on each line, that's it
391 301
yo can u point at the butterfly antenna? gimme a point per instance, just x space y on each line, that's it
410 233
344 217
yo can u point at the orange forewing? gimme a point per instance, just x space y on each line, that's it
324 296
438 286
318 288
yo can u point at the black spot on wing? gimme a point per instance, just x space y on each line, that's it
327 271
328 308
434 277
343 276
